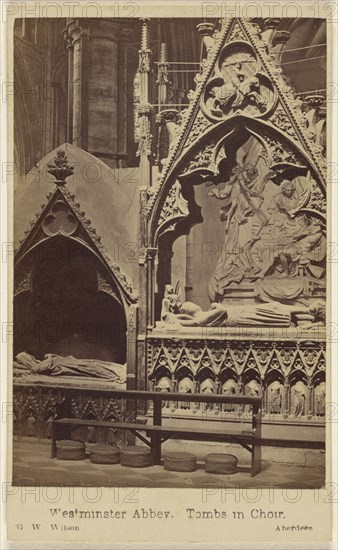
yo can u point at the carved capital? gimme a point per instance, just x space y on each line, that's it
145 110
68 39
280 37
314 101
206 28
169 115
151 253
73 31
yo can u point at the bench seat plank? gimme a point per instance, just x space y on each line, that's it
158 429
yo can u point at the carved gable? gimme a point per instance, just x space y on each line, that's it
240 90
244 167
62 216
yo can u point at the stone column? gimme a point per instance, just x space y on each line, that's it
132 359
69 45
124 90
96 109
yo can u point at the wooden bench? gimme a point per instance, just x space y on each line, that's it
156 433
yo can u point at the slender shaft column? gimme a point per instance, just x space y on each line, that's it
146 255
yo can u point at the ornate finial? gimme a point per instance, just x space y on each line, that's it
162 79
164 53
144 52
60 169
145 35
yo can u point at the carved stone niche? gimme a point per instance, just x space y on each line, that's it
162 382
275 402
206 384
230 387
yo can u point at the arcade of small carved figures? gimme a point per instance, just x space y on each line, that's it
169 218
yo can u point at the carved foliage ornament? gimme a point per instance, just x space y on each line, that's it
60 168
23 278
202 159
174 205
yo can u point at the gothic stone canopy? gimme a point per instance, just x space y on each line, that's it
49 208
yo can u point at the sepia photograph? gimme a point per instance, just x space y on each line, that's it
170 240
169 216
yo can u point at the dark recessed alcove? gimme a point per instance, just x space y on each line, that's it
66 311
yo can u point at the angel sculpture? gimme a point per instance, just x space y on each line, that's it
243 196
243 186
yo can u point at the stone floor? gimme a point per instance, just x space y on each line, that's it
32 465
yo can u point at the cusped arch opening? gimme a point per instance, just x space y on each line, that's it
227 243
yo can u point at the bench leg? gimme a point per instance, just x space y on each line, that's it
256 459
155 441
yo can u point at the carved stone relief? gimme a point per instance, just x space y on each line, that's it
270 233
35 408
238 85
236 368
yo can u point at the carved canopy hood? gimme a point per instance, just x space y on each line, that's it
240 94
61 217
